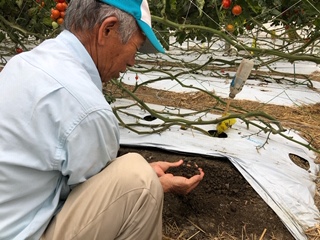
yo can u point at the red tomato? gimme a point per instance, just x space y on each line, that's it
226 4
61 1
19 50
249 26
307 40
65 5
237 10
60 21
55 14
61 6
62 14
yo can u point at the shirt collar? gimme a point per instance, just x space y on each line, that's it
82 55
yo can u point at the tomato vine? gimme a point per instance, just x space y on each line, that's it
23 18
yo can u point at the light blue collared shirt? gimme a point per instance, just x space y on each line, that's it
56 130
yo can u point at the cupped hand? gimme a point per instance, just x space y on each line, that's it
161 167
176 184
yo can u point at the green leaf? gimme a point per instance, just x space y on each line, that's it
173 5
32 11
47 21
19 3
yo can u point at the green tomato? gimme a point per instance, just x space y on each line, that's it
55 25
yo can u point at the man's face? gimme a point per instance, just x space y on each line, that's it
114 57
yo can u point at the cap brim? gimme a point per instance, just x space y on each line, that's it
152 44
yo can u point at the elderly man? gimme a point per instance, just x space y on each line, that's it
60 177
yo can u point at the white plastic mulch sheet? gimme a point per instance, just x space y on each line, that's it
285 93
263 160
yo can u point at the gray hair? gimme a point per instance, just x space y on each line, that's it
84 15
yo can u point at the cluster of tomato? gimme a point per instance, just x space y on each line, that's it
58 12
236 10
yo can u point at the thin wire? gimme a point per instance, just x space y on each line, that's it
289 8
313 6
232 36
210 18
185 19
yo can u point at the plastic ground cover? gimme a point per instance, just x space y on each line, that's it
262 159
287 188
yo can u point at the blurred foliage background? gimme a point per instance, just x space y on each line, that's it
21 20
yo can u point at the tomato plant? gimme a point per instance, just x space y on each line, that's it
58 13
277 13
21 19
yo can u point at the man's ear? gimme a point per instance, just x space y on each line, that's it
107 29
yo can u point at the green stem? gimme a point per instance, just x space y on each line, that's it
292 56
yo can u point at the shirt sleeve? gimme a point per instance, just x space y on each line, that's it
90 146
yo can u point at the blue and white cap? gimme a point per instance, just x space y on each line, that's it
139 9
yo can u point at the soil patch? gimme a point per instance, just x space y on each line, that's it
223 206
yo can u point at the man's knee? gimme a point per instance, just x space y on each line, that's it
136 172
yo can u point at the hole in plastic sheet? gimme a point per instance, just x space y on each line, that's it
149 118
299 161
214 133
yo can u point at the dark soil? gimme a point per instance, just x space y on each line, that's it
224 205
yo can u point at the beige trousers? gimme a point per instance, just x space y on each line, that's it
124 201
